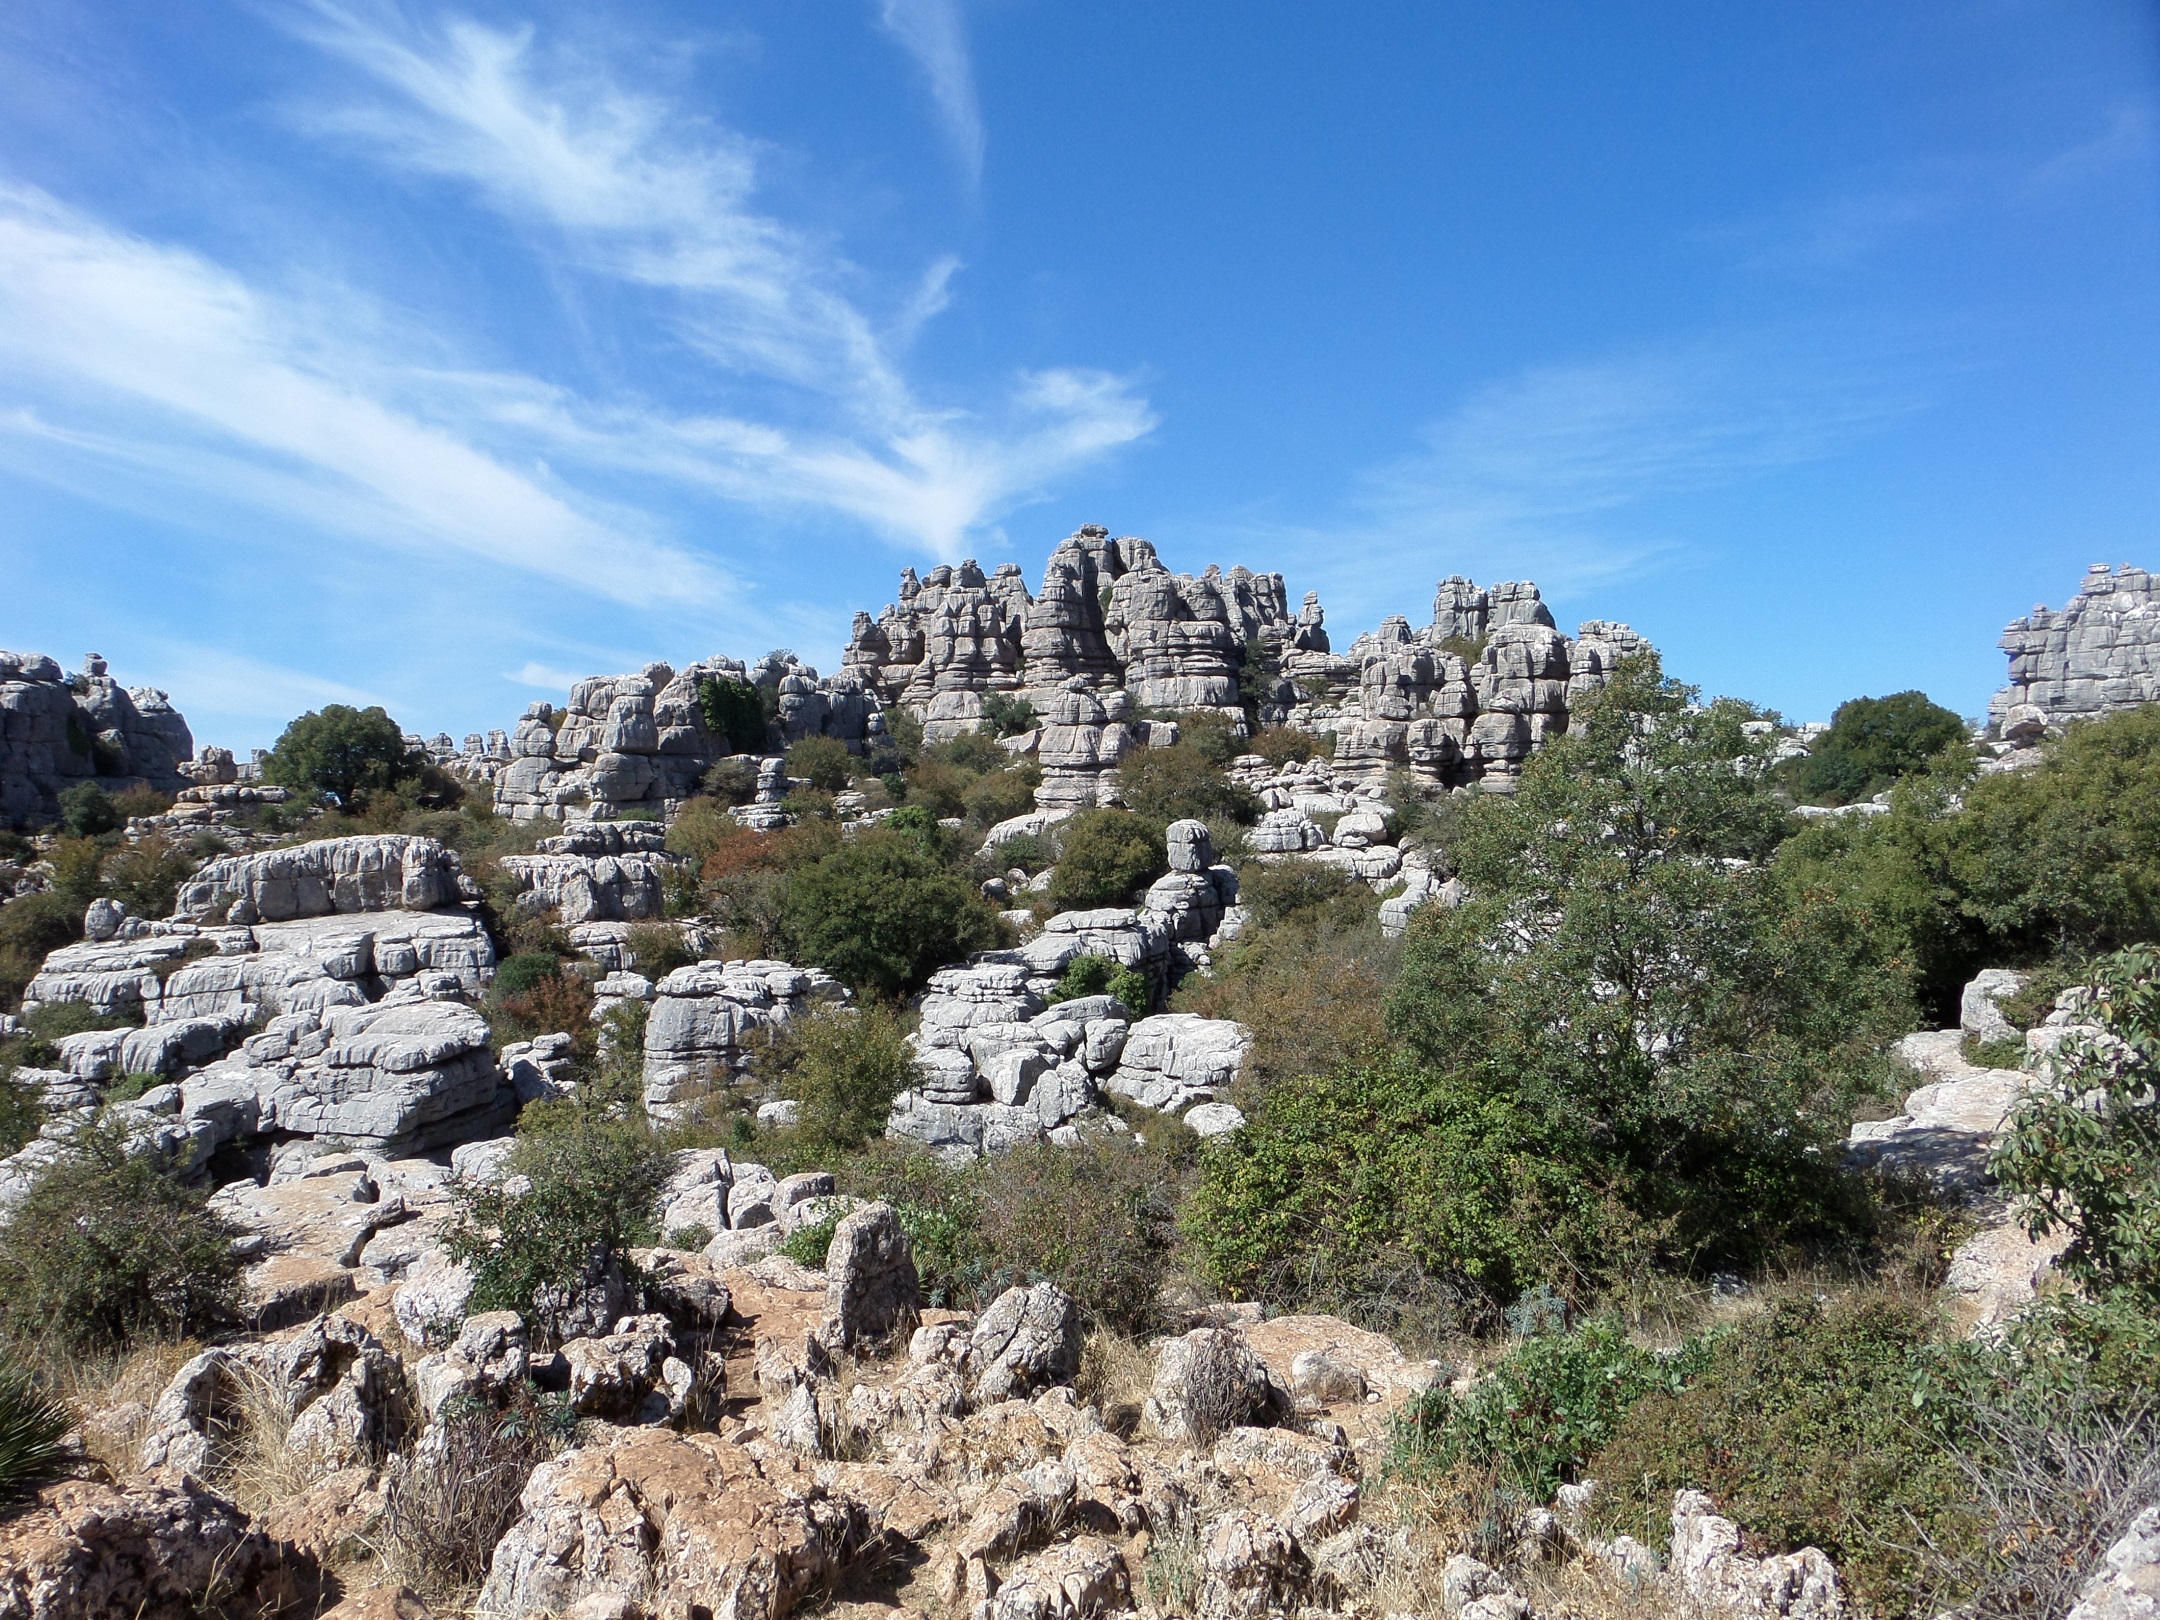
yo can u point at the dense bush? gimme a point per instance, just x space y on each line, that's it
32 926
656 949
1632 1044
1271 893
823 762
2081 1149
883 912
1287 745
518 974
340 752
105 1249
1100 976
1001 795
22 1106
1105 858
1802 1424
842 1066
145 876
734 709
1163 785
592 1196
1531 1422
1007 715
1872 742
32 1425
86 811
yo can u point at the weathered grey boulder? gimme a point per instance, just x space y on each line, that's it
373 872
55 733
873 1297
2099 654
704 1018
1173 1060
1707 1562
1029 1339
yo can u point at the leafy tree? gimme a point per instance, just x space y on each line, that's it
105 1248
1001 795
735 710
340 752
1007 715
882 913
843 1066
823 762
86 811
1105 857
592 1197
1169 784
2081 1151
1631 1044
1872 742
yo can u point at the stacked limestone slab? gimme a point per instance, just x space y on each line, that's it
2099 654
57 731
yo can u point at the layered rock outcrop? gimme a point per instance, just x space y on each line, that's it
2099 654
58 730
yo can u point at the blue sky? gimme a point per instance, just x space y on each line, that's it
433 356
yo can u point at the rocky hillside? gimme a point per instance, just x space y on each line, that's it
1105 1104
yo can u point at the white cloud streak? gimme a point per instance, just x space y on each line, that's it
638 193
196 377
934 33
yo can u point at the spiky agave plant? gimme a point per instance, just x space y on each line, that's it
31 1424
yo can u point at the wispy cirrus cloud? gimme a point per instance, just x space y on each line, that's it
638 193
1554 473
193 375
935 34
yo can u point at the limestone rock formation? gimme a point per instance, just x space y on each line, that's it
2099 654
703 1018
374 872
57 731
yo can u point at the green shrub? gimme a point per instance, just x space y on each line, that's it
1100 976
843 1067
1630 1046
1001 795
146 876
1030 852
32 1425
973 752
1271 893
22 1106
2007 1053
1007 715
341 753
77 869
105 1249
823 762
657 949
735 710
1105 858
2081 1151
1802 1424
1286 745
883 912
1872 742
86 811
518 974
1169 784
808 1245
32 926
1527 1427
594 1188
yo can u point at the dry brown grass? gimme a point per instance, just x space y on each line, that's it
1116 1373
113 1394
257 1471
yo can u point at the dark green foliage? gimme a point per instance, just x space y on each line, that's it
77 864
843 1067
32 926
1163 785
1271 893
340 752
914 820
1286 745
1872 742
1528 1426
731 781
1008 716
1001 795
1030 852
657 949
883 912
146 876
974 751
735 710
22 1105
1257 676
1631 1045
1105 858
1096 1219
105 1249
593 1193
519 973
86 811
823 762
31 1426
809 1245
1802 1424
2081 1152
1099 976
